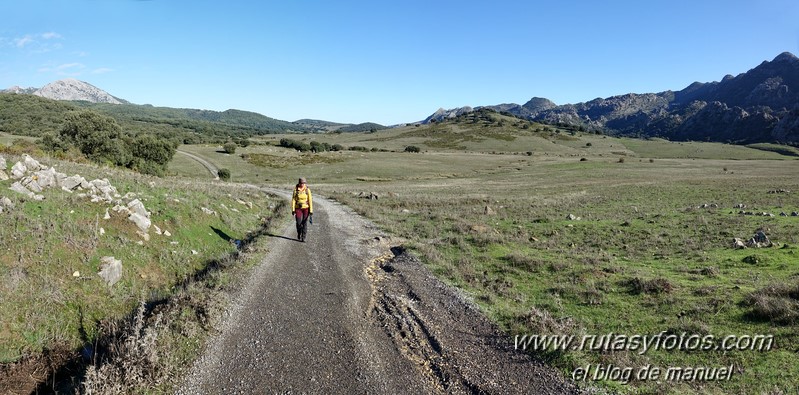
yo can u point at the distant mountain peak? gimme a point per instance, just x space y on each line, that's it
72 89
786 57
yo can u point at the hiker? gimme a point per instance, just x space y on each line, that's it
301 207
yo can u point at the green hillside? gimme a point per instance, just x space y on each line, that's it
30 115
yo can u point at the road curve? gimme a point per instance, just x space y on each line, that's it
302 323
208 165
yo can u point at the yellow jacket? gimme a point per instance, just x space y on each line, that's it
302 199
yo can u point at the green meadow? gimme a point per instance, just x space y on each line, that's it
560 232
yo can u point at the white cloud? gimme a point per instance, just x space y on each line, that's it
50 35
23 41
102 70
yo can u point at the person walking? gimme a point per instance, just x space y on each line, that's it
301 207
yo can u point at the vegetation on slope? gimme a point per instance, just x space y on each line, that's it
50 253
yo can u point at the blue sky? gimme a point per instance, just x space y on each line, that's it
385 62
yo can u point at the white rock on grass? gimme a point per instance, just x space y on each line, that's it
208 211
110 270
107 215
19 188
45 178
3 175
32 164
72 183
6 203
137 207
3 164
142 222
18 170
31 184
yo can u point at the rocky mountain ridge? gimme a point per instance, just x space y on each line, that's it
760 105
69 89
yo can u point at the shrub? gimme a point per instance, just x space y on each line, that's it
778 303
654 286
412 148
337 147
224 174
229 148
621 160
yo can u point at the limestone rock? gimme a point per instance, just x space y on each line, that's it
32 164
142 222
31 183
6 203
738 244
110 270
488 210
18 170
19 188
572 217
2 163
3 175
208 211
45 178
137 207
72 183
107 215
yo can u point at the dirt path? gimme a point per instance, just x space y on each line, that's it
326 316
208 165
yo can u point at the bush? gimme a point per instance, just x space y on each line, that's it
229 148
654 286
337 147
778 303
223 174
412 148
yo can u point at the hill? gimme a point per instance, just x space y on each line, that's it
30 115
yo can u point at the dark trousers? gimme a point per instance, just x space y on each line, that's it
301 216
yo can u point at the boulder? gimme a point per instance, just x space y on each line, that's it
572 217
759 240
31 183
137 207
6 203
18 188
738 244
488 210
71 183
110 270
3 175
2 163
46 178
32 164
142 222
18 170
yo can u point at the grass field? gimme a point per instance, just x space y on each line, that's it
43 243
650 253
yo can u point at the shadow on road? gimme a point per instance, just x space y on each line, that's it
280 236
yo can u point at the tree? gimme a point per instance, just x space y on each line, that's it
153 149
224 174
97 136
230 148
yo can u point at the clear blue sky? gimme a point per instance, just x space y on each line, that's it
385 61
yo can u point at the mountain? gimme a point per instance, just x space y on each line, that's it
443 114
761 105
19 90
72 89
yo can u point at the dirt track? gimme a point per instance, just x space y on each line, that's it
327 316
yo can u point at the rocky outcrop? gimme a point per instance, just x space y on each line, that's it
72 89
33 179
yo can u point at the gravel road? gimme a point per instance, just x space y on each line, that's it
341 314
